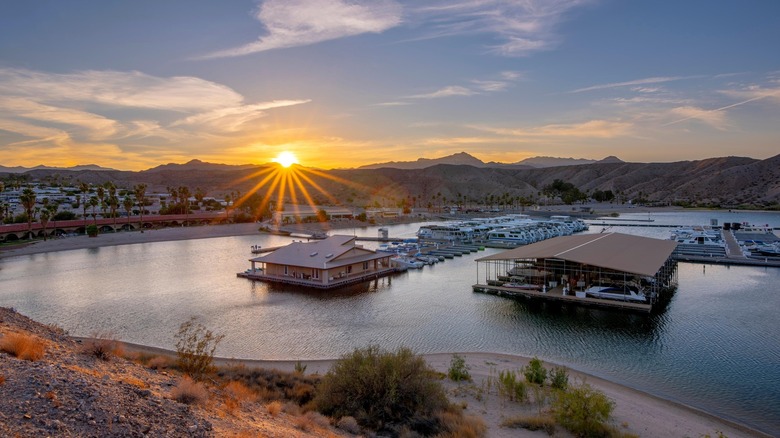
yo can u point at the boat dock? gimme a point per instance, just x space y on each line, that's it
556 294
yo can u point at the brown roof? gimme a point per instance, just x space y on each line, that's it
338 250
621 252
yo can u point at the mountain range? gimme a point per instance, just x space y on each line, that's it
463 158
712 181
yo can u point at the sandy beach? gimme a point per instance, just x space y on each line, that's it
635 412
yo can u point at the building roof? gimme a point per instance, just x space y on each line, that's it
338 250
621 252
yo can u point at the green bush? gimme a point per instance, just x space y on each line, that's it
458 369
195 346
511 387
559 378
583 410
92 230
535 372
382 390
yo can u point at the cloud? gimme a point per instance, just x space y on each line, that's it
519 27
491 86
396 103
714 118
115 88
232 119
454 90
653 80
96 126
589 129
292 23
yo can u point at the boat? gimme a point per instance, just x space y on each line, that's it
616 292
405 262
523 286
256 249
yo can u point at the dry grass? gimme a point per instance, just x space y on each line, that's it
274 408
348 424
159 363
190 392
2 379
103 347
458 425
271 384
311 421
531 422
83 370
24 346
236 394
130 380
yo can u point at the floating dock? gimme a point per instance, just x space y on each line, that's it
556 294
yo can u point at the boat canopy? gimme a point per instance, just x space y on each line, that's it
617 251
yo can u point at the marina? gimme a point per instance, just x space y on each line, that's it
712 316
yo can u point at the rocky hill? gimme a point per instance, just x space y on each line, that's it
67 391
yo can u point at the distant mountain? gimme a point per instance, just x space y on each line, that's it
461 158
542 162
20 169
198 165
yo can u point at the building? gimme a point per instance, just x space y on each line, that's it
299 213
572 268
324 264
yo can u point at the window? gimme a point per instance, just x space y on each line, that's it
365 266
285 271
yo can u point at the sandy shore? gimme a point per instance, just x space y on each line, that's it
635 412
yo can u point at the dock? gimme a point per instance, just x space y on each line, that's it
556 294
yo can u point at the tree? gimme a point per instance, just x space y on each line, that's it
184 195
94 202
44 216
199 195
140 196
84 188
127 204
113 200
27 199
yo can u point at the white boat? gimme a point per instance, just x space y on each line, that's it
622 293
405 262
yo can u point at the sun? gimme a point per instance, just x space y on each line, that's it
286 159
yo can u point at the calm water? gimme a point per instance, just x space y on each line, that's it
716 346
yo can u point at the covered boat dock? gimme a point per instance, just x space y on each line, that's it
641 271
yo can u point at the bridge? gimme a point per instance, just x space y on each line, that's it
14 232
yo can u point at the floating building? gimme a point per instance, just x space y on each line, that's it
608 270
324 264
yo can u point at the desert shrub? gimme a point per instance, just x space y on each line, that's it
274 408
236 393
583 410
190 392
535 372
2 379
270 384
24 346
511 387
195 346
348 424
300 367
381 389
159 362
531 422
103 347
457 425
559 378
458 369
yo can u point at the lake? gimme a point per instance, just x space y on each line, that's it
716 346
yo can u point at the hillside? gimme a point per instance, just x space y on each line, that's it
722 181
70 392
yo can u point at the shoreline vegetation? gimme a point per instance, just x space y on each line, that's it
636 412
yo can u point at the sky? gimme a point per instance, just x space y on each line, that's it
344 83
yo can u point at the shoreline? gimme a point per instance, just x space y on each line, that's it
646 414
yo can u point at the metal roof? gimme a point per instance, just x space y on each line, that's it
621 252
338 250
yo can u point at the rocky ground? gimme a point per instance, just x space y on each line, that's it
70 392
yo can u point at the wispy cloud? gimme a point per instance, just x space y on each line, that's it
645 81
519 27
292 23
450 91
589 129
714 118
232 119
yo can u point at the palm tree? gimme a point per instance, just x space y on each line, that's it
94 202
140 195
199 195
127 204
28 201
184 195
45 215
84 188
113 201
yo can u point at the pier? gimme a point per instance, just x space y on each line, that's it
556 294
